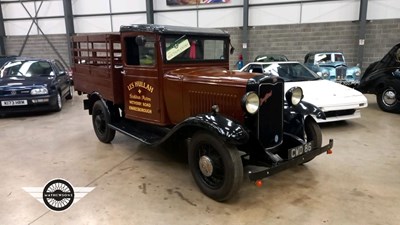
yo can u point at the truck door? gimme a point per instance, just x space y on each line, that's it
140 78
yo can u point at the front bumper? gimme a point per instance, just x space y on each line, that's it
35 104
263 172
349 83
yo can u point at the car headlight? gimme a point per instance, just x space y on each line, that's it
251 102
325 74
294 96
39 91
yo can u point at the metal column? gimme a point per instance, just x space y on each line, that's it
2 33
245 35
150 11
361 32
69 26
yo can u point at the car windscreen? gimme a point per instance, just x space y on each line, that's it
187 48
290 71
29 68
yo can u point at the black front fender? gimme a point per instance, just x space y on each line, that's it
303 108
229 130
294 117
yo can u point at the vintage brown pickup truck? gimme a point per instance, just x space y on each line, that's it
156 83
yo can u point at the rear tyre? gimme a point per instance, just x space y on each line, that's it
59 103
70 92
313 133
216 167
100 119
388 97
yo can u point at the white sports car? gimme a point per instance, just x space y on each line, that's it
337 101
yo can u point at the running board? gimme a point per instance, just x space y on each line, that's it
148 134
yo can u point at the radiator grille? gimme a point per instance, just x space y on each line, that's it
341 73
270 116
201 102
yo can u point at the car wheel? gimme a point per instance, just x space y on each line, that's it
313 133
101 119
388 97
216 167
59 103
70 92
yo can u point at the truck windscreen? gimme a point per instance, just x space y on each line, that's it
193 48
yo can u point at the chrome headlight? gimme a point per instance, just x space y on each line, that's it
325 74
294 96
251 102
357 73
39 91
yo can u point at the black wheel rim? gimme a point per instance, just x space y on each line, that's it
100 123
216 179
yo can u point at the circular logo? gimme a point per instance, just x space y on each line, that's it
13 92
58 195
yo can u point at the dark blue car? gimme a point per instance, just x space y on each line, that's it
28 85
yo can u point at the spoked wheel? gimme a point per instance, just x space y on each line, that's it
388 97
313 133
101 119
216 167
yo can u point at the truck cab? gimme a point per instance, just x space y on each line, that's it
157 83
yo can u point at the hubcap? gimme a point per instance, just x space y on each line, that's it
59 101
389 97
206 166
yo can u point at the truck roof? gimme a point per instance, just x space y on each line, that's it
167 29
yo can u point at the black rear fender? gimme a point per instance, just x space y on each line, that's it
91 99
94 97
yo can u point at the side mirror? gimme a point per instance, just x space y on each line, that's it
232 50
140 40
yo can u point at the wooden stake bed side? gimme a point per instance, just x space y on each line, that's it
98 65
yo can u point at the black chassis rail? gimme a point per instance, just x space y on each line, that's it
280 166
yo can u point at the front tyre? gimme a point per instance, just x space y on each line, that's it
313 133
216 167
388 97
100 119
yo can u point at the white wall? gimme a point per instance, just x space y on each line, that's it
383 9
20 27
226 15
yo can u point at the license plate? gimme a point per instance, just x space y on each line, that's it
14 102
299 150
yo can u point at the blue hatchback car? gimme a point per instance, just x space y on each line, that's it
331 65
28 85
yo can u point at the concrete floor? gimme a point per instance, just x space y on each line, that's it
358 184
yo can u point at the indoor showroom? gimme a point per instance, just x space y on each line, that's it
200 112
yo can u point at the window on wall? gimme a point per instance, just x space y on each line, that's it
140 54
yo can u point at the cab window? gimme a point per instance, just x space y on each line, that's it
140 55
